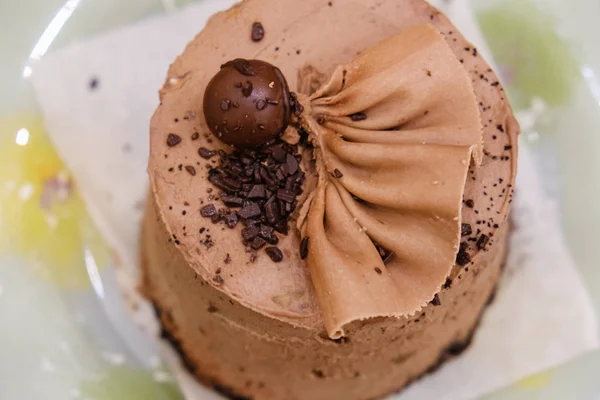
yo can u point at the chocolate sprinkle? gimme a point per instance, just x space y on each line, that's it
206 153
274 254
304 248
258 32
173 140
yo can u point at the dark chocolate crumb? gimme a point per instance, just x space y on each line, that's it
258 243
378 270
206 153
500 128
470 203
208 211
212 309
258 32
218 280
274 254
191 170
227 259
337 173
359 116
482 241
318 373
463 258
195 136
173 140
436 300
466 230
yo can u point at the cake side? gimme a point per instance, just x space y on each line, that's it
259 357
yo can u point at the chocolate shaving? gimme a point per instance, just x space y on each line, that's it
304 248
249 210
262 185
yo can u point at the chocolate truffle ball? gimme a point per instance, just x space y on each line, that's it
247 103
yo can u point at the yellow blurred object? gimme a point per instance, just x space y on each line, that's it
42 217
536 381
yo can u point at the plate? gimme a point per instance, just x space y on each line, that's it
66 332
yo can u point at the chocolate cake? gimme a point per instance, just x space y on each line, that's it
330 185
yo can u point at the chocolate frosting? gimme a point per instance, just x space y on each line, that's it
395 130
294 43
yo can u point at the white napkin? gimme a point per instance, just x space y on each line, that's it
541 317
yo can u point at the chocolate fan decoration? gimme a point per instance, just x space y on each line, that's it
394 131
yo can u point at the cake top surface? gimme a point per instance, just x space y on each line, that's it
292 40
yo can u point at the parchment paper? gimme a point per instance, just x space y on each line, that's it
97 97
